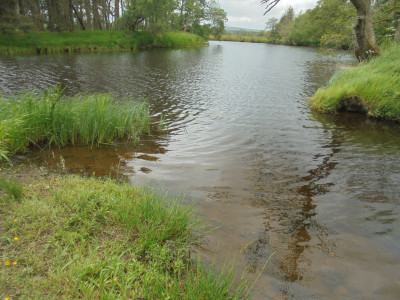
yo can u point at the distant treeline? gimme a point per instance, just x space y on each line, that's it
202 17
329 24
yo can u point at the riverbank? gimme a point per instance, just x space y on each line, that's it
245 38
372 88
85 41
65 236
266 40
31 120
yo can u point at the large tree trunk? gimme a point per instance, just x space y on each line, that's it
78 17
397 33
96 15
116 14
364 36
50 12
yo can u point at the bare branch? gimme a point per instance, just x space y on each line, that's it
270 5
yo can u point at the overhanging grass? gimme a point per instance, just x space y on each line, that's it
376 84
101 40
29 119
72 237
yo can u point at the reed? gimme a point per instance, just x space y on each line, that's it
376 84
31 119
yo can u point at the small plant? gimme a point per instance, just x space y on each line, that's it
11 187
161 124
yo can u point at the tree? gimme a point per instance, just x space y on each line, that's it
271 24
8 15
217 17
387 19
328 25
364 35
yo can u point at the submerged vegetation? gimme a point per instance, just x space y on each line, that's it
375 85
59 42
48 119
73 237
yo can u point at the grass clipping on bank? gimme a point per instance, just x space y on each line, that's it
376 84
48 119
73 237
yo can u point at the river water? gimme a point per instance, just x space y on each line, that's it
320 193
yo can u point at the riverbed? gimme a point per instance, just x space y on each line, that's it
319 193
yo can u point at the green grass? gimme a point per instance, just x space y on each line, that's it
376 84
244 38
48 119
72 237
11 187
102 40
178 40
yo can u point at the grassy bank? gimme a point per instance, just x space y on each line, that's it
48 119
245 38
375 85
102 40
68 237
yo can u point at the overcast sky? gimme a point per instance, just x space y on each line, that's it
249 13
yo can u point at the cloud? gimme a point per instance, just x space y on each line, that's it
250 13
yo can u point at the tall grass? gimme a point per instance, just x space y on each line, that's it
376 84
96 239
245 38
102 40
48 119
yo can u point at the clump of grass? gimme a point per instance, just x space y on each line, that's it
178 40
30 119
96 239
88 40
376 84
11 187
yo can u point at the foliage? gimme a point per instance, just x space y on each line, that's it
29 119
386 20
376 84
328 24
72 237
203 17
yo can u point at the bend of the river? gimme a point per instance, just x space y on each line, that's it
321 192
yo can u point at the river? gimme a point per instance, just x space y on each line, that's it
319 192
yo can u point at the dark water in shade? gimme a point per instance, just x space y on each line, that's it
322 192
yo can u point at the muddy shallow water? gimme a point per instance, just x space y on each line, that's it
321 192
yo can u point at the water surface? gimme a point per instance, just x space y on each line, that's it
321 192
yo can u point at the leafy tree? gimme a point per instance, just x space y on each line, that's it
217 17
387 20
329 25
8 15
285 25
270 25
364 36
